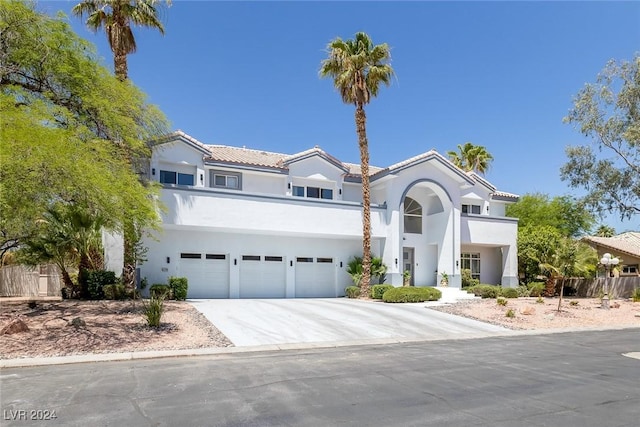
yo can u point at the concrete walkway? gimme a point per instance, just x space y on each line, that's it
251 322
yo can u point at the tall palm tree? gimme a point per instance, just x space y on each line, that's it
117 16
471 157
358 68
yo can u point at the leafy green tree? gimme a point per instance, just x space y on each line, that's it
68 129
117 17
470 157
358 68
608 112
564 213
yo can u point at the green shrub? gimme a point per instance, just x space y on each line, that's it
160 290
574 303
523 291
352 291
536 289
115 291
378 290
96 279
467 279
412 294
510 313
485 291
540 300
510 293
153 310
501 301
635 296
179 286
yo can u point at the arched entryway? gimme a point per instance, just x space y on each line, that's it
427 233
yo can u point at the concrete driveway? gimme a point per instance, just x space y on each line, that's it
251 322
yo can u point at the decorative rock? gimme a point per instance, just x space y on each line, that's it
57 323
615 305
78 323
14 327
528 310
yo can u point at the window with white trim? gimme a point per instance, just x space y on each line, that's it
223 179
471 261
471 209
630 269
412 216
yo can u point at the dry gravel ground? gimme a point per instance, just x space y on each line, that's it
110 327
530 314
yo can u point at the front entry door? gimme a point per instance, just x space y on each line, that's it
407 262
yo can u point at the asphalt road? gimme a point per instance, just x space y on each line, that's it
570 379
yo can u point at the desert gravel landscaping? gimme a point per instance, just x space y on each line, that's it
531 314
109 327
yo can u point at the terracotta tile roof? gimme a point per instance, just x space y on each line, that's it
247 156
506 195
628 243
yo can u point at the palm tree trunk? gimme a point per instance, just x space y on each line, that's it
120 66
361 121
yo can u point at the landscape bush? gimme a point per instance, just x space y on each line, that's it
179 286
352 291
467 279
160 290
536 289
501 301
96 279
115 291
510 293
412 294
153 310
510 313
635 296
523 291
485 291
378 290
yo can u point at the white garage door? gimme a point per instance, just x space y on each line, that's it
208 274
262 276
315 277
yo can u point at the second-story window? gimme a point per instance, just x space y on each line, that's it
312 192
228 180
472 209
171 177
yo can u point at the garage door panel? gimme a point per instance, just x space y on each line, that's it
315 277
262 276
208 276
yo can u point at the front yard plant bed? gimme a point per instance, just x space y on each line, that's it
411 294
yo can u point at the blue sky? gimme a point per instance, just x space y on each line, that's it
498 74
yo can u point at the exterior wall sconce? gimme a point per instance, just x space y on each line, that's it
340 264
168 260
457 263
340 191
235 261
153 171
201 178
396 261
289 185
290 263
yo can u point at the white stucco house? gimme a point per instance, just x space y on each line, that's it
243 223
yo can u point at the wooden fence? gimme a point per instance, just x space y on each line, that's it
24 281
619 287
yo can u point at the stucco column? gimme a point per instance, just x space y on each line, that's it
393 249
510 266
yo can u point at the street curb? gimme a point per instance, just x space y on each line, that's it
222 351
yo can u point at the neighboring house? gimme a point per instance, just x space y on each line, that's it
625 246
243 223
